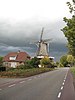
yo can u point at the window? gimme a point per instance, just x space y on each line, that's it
12 58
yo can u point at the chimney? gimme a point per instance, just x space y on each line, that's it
18 51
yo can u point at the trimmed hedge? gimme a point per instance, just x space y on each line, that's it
24 73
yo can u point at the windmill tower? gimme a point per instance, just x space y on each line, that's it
43 46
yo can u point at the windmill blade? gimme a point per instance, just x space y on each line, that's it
41 34
48 47
47 40
35 42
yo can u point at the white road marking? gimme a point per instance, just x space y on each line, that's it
63 83
59 94
12 85
62 87
22 81
64 80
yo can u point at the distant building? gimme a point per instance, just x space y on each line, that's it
15 59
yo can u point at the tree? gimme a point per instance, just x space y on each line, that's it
69 29
63 60
70 59
45 62
60 65
1 59
35 62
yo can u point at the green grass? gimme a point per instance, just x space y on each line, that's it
73 74
24 73
73 70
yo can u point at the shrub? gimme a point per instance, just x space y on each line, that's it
60 65
24 73
35 62
63 60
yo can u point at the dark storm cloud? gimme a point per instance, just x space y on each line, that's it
21 33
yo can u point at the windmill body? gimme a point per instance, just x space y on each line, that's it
42 46
42 49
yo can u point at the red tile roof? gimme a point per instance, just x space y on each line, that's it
20 56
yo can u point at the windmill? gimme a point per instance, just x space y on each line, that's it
43 45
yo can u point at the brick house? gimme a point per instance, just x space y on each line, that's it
15 59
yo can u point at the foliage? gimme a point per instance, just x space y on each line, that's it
70 59
69 29
71 6
67 60
57 63
60 65
63 60
1 58
24 73
34 62
45 62
73 70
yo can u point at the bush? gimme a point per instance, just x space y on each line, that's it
70 60
45 62
60 65
35 62
63 60
24 73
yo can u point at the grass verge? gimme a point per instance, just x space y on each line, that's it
21 73
72 69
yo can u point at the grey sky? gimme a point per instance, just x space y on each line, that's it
21 33
21 22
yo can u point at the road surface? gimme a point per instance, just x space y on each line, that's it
44 86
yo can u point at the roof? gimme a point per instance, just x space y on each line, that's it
20 56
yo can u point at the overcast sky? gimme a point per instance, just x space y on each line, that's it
25 18
21 21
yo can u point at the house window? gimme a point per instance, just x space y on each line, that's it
12 58
13 64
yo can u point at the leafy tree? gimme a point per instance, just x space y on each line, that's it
60 65
34 62
45 62
1 58
70 59
57 63
69 29
63 60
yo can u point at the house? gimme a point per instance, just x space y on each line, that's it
15 59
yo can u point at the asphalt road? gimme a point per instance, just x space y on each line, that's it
45 86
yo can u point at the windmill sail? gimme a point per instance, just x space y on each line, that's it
41 34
